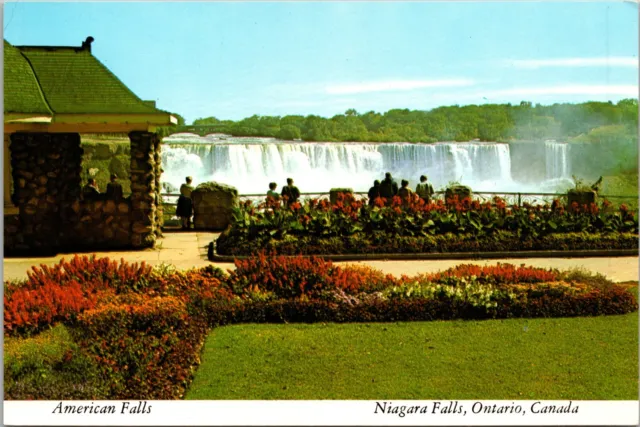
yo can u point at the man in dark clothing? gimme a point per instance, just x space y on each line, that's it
374 192
388 187
114 189
290 191
90 191
185 204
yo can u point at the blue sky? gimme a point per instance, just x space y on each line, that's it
232 60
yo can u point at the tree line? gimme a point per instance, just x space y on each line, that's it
489 122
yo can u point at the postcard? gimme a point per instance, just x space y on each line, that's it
320 213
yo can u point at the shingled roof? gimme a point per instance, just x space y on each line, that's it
22 93
70 80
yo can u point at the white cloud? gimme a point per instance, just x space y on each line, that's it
607 61
394 86
625 90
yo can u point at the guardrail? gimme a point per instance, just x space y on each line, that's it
169 200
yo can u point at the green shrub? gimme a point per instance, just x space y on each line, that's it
383 243
582 275
438 303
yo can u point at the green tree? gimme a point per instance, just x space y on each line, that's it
488 122
289 132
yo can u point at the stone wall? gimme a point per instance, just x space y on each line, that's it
46 175
52 217
145 191
103 224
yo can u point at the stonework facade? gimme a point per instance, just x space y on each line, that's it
145 189
52 217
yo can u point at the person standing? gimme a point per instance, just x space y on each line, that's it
424 189
91 191
272 193
374 192
405 192
388 187
114 189
290 191
185 204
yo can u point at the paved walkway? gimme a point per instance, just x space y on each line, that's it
187 250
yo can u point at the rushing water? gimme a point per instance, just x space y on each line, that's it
250 164
556 160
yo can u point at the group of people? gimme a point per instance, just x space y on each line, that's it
385 189
114 190
290 192
388 188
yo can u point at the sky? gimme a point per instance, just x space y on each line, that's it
232 60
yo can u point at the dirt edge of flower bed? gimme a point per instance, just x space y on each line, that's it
214 257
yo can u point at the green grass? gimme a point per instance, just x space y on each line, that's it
49 366
620 185
570 358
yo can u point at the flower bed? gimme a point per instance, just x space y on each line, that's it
411 226
138 328
125 331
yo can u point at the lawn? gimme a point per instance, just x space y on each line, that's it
562 358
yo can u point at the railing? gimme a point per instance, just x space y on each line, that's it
169 200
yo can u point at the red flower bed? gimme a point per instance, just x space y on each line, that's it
292 277
92 273
258 227
497 274
59 293
147 347
31 309
190 285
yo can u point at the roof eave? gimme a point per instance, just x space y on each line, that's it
152 119
27 118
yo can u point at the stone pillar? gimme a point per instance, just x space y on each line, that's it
11 220
145 194
8 179
462 191
46 171
213 205
160 210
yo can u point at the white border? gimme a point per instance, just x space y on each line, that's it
320 413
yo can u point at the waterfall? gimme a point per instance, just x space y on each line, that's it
557 166
250 164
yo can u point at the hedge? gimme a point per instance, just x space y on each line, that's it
381 243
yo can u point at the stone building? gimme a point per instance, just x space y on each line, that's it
52 95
